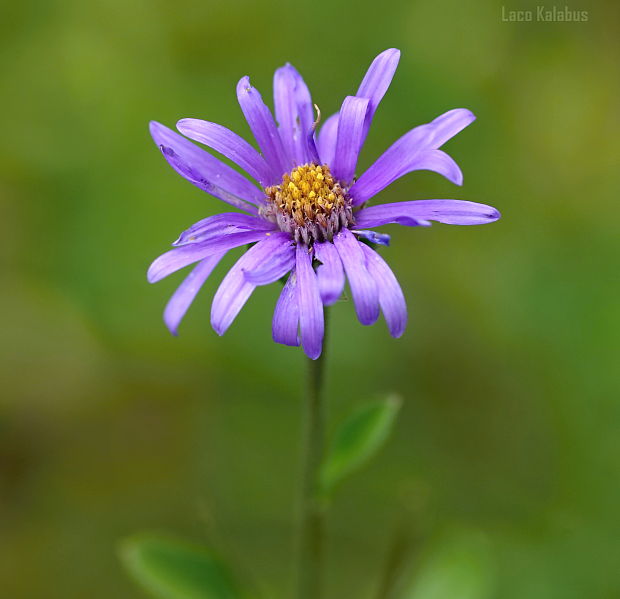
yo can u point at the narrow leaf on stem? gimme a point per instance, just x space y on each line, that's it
172 569
358 439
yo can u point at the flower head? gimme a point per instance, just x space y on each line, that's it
306 213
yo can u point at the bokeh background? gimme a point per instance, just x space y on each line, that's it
509 436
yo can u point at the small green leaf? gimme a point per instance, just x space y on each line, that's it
359 438
459 567
173 569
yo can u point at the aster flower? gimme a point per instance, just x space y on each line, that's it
306 213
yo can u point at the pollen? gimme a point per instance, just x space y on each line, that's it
309 203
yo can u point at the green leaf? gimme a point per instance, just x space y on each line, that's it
459 567
172 569
359 438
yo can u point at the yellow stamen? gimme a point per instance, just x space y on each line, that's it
307 192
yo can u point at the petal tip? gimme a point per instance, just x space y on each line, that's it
173 328
156 129
219 330
368 319
312 353
152 275
393 53
244 85
469 115
183 123
397 333
287 67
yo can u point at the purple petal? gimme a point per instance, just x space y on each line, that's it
313 153
376 82
187 290
285 326
293 112
326 143
180 257
235 289
330 273
371 217
264 128
311 321
391 297
439 162
350 137
280 262
373 87
229 144
447 125
222 224
416 150
373 236
400 162
205 171
363 287
418 212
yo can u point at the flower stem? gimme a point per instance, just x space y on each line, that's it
399 549
312 512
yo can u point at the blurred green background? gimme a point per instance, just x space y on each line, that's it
510 427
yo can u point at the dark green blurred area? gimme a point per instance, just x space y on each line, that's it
510 427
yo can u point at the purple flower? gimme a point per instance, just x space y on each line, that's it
307 214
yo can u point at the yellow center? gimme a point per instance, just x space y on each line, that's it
308 194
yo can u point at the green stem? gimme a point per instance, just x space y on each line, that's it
312 516
393 566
